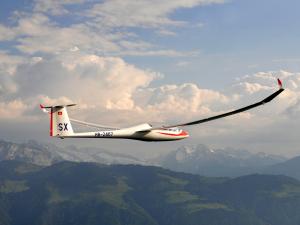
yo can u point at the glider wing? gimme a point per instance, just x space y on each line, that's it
264 101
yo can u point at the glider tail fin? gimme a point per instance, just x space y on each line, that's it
60 124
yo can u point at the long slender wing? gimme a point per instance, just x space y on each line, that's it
266 100
93 125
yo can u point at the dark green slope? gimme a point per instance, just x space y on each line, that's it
274 199
87 193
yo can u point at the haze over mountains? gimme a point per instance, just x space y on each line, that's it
200 159
196 159
47 154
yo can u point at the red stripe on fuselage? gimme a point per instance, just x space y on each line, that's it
182 133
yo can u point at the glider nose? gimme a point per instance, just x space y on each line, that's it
185 133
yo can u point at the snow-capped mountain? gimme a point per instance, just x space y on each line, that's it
197 159
47 154
32 152
92 154
200 159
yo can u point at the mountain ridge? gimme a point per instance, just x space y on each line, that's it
196 159
91 193
202 160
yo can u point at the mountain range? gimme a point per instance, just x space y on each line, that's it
90 193
290 168
195 159
202 160
48 154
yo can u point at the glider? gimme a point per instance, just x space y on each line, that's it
60 124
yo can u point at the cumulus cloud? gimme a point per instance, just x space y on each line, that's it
8 66
105 82
114 90
185 97
12 110
102 85
106 86
110 91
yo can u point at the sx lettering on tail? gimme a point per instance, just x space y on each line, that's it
63 126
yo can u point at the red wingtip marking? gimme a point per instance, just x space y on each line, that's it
279 82
51 123
41 106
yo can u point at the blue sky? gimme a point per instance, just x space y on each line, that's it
127 62
236 39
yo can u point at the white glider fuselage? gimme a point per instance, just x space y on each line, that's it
61 127
132 133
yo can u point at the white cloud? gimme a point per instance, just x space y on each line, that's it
164 32
138 45
108 84
143 13
100 28
8 63
105 82
108 90
13 110
251 87
182 63
8 66
168 53
287 60
6 33
54 7
113 89
38 34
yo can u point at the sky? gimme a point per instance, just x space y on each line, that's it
127 62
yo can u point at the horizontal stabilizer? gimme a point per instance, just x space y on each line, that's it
56 106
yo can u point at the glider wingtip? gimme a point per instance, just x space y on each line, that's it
43 109
279 83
